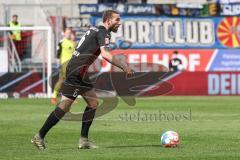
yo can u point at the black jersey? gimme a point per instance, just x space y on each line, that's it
86 52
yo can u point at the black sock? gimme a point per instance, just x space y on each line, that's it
52 120
87 120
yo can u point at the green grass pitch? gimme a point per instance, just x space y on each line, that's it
208 128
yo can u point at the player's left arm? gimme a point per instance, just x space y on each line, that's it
104 41
113 60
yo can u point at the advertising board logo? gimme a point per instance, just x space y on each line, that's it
228 32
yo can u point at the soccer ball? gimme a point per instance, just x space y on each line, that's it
170 139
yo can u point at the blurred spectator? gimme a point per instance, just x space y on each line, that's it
15 35
174 10
175 63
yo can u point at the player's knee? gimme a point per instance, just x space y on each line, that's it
93 104
65 105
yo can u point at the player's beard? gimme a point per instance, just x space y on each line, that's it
114 29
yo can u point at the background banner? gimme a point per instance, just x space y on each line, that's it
230 9
192 59
206 83
178 32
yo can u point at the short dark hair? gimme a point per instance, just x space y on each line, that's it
15 15
108 14
67 28
175 52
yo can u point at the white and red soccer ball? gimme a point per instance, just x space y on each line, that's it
170 139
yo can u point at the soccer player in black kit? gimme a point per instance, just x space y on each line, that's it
95 42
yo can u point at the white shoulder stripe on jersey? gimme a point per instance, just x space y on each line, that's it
94 28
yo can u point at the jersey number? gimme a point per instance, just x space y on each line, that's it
83 38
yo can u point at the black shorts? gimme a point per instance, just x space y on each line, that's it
74 86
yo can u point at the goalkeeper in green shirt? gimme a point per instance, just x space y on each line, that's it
64 51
